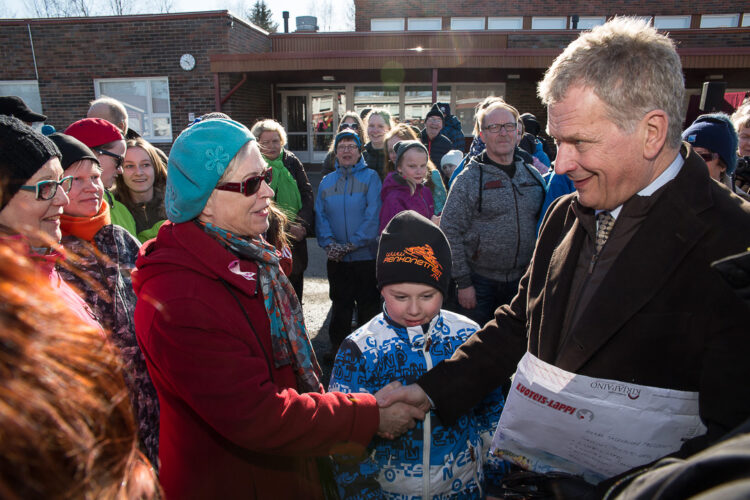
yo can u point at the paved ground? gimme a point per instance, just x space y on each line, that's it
315 301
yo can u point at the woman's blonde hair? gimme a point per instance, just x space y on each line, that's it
269 125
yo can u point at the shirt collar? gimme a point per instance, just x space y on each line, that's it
670 173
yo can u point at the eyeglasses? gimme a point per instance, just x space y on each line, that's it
267 144
708 156
249 186
353 126
46 190
347 147
434 119
118 159
495 127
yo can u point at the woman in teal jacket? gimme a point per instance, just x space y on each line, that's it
347 216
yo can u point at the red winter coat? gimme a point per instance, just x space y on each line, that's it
232 424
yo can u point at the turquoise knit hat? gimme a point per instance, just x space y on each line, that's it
198 158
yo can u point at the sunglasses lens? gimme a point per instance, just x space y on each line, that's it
252 185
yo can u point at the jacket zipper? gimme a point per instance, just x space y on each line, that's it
427 431
518 226
343 209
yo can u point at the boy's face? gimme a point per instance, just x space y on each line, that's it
412 304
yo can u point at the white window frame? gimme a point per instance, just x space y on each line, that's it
719 20
505 23
588 22
672 22
387 24
32 101
549 23
467 23
425 24
148 135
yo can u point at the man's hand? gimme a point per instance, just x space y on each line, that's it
410 394
467 297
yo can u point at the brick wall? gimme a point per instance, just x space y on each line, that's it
368 9
70 54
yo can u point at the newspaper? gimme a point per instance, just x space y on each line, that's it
555 420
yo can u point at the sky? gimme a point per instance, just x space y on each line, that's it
333 9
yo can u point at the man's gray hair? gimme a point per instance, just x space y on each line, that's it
115 110
631 67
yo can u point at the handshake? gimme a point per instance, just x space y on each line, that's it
400 407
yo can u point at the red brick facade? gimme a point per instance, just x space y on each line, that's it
71 53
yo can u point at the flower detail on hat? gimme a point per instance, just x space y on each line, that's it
217 159
170 197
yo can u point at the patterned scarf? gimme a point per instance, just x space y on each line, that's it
291 345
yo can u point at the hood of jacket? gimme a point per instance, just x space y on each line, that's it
360 165
185 246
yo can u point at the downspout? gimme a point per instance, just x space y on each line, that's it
217 93
434 85
235 88
33 54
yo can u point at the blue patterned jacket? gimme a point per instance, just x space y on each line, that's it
456 456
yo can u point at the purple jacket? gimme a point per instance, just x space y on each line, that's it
396 197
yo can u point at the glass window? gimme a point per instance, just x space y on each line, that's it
719 20
147 102
505 23
548 23
418 101
467 98
467 23
389 24
746 20
377 97
671 22
588 22
425 23
28 90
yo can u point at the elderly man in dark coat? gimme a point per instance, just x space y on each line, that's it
620 285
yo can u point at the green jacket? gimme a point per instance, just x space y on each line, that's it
120 214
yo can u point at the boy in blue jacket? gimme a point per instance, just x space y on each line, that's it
409 337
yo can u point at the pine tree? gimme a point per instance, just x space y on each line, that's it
261 15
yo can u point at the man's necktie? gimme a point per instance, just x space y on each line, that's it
604 225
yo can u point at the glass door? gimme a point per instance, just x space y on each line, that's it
310 120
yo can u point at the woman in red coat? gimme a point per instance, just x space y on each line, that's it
243 412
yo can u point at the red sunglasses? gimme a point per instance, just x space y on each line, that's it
249 186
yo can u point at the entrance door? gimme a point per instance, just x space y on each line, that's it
310 118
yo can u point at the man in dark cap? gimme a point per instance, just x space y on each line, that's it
436 143
12 105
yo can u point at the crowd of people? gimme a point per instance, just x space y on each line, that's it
154 342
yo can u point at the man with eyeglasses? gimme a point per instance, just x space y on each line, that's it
620 288
106 140
436 143
490 217
715 140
